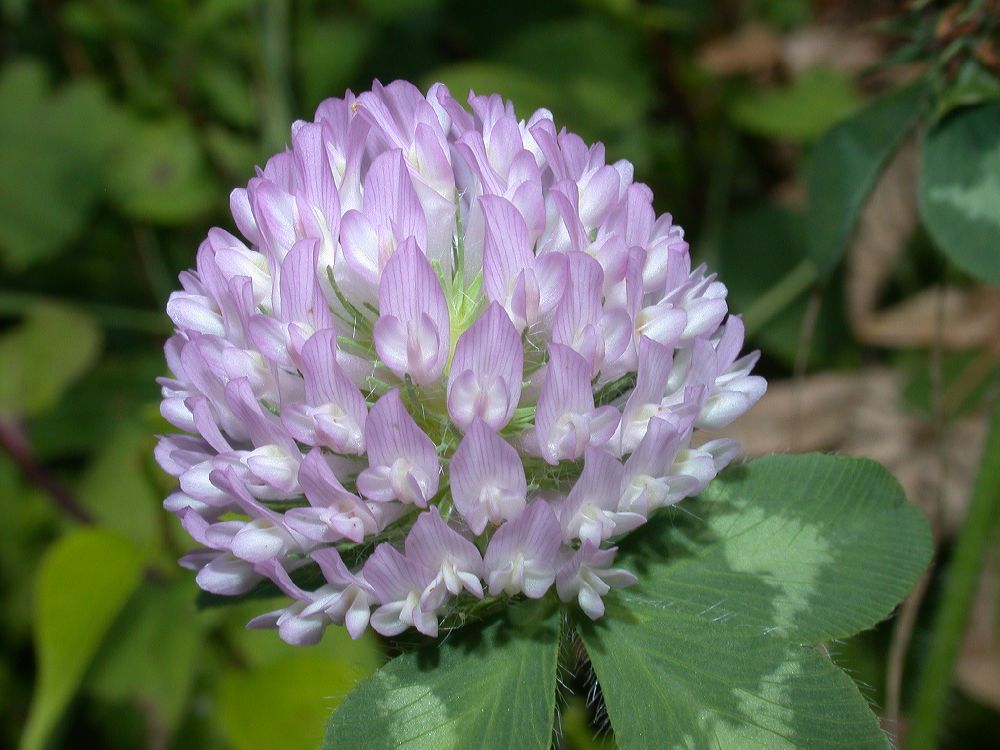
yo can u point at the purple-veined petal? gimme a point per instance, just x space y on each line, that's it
487 367
506 248
521 556
398 583
403 462
566 420
413 334
454 559
590 512
337 419
588 576
487 478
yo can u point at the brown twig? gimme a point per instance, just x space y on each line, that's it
14 443
902 632
906 620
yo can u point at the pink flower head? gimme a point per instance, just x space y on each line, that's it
454 357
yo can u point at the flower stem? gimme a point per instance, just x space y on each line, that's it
953 613
14 443
779 296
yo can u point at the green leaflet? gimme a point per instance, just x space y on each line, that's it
52 147
960 189
160 174
489 686
282 695
42 357
712 648
798 112
845 167
151 654
83 582
672 679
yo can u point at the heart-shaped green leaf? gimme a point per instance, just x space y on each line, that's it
714 647
960 189
490 686
798 112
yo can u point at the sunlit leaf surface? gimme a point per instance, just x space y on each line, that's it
716 646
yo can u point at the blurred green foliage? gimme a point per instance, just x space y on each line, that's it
124 125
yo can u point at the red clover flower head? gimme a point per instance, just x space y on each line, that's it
454 356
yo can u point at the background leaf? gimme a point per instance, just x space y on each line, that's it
801 111
328 55
973 84
150 655
484 687
282 696
52 149
160 174
711 648
83 582
527 91
758 249
43 356
116 489
960 189
846 164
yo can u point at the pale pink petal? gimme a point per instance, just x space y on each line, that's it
487 478
454 559
522 554
506 248
400 455
489 361
413 334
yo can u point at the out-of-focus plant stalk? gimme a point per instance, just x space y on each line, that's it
953 613
13 305
783 293
276 88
